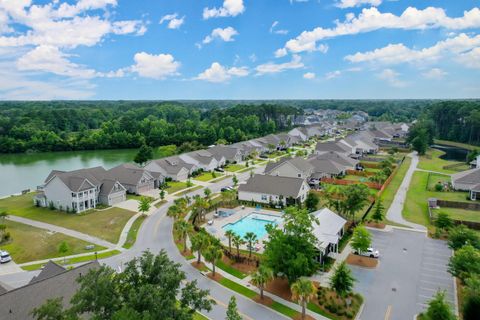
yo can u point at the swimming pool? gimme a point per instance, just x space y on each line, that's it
254 222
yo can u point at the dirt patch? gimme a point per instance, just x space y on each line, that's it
243 267
379 225
267 301
217 276
361 261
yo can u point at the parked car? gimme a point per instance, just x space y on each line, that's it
372 253
4 257
219 169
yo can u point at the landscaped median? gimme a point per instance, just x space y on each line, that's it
132 233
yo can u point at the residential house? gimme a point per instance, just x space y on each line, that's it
290 167
274 189
468 180
361 143
328 231
135 179
335 146
475 163
340 158
325 168
80 190
52 282
202 159
228 153
172 167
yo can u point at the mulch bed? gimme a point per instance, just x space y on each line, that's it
267 301
279 287
187 253
243 267
372 224
217 277
200 266
361 261
299 317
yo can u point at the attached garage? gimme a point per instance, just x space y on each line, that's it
115 198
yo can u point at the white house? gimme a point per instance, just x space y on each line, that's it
328 231
274 189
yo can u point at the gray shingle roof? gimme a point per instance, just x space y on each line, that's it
298 162
17 304
326 166
127 174
79 180
50 269
332 146
471 176
338 158
229 153
285 186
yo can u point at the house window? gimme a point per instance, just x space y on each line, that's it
299 175
74 195
91 191
264 197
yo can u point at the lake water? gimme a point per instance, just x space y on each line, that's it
452 153
26 171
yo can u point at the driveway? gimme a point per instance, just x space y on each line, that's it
411 269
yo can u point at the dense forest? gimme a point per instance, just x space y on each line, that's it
59 126
447 120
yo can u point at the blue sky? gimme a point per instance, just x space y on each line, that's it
239 49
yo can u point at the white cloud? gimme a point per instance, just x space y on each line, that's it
50 59
253 57
309 75
399 53
274 30
391 77
173 21
333 74
371 19
218 73
282 52
153 66
470 59
226 35
230 8
271 67
129 27
434 73
357 3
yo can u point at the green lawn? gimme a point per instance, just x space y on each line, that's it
459 214
207 176
105 224
138 197
415 209
436 178
234 167
29 243
188 191
456 144
132 233
174 186
432 162
390 191
227 268
86 258
353 177
160 203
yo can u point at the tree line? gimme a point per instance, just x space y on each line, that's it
64 126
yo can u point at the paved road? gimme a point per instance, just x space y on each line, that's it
394 213
155 235
411 269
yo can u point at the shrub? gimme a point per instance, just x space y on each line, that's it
438 187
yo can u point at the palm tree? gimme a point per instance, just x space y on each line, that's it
200 206
303 291
229 234
212 254
183 227
173 212
261 278
237 242
207 192
251 239
199 243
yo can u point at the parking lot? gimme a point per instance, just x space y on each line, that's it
412 268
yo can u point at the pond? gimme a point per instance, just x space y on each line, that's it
26 171
452 153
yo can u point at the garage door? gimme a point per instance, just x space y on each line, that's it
117 199
145 188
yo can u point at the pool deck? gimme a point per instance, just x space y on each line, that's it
216 229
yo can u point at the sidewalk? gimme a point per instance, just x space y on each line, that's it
324 277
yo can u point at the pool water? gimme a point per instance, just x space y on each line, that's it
255 223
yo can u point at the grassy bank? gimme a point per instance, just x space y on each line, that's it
132 233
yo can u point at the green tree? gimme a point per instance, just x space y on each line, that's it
443 221
63 248
471 298
378 211
342 280
312 201
144 205
229 234
174 212
361 239
349 200
237 242
438 308
189 183
303 291
420 143
213 253
461 235
235 180
207 192
292 251
261 277
232 312
162 194
182 228
251 239
200 242
52 309
464 262
144 154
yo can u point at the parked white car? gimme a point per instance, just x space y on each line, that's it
372 253
4 256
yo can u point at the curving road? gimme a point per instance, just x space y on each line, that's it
155 235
